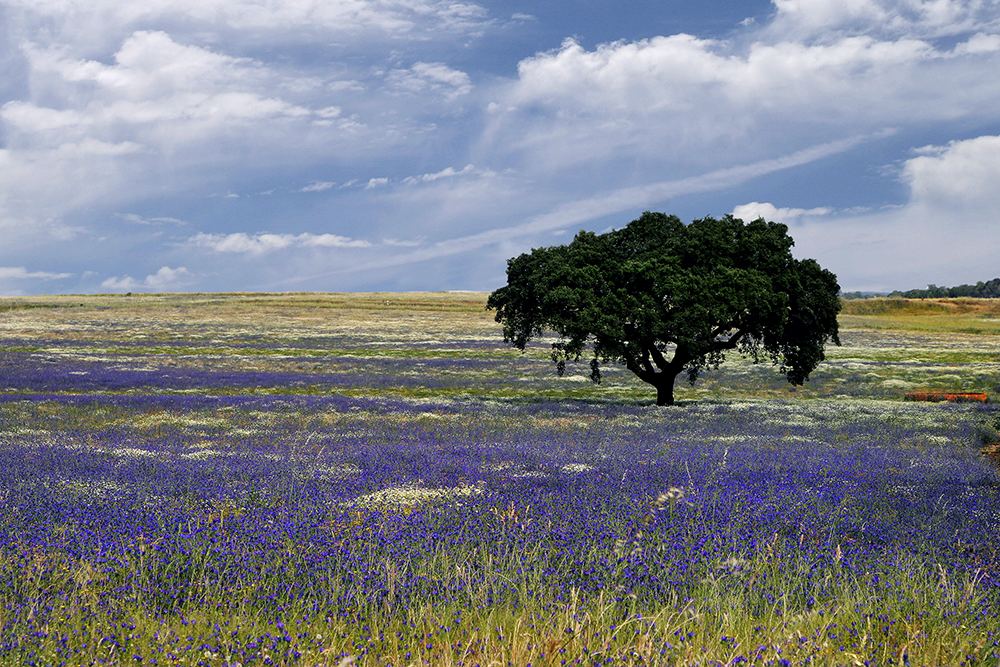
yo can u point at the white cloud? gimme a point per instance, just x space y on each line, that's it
575 213
945 232
447 172
403 243
165 278
418 179
259 244
816 15
808 18
977 44
93 22
431 77
769 211
177 92
21 273
318 186
696 99
136 219
103 127
158 118
330 241
955 177
153 106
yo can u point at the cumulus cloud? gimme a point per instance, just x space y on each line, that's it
153 106
259 244
176 91
978 44
163 279
695 99
768 211
161 116
958 176
945 232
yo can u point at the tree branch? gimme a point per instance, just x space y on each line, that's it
728 344
645 361
721 329
632 365
658 358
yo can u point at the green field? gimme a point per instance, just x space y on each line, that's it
890 346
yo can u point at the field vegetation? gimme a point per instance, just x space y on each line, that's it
376 479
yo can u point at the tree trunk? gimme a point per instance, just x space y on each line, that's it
665 389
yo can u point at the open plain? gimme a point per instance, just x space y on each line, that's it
376 479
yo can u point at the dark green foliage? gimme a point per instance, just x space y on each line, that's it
989 429
981 290
663 297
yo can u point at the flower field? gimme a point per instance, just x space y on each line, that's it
375 479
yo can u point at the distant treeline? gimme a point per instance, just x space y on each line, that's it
981 290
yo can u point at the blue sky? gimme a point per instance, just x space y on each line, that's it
180 145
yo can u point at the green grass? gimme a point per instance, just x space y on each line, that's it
960 316
911 616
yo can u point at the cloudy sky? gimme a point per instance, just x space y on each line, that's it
417 144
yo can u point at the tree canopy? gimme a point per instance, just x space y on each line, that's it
989 289
663 297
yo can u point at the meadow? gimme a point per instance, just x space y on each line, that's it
374 479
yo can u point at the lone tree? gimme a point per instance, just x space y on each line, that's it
663 297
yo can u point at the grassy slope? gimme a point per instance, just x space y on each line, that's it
973 316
